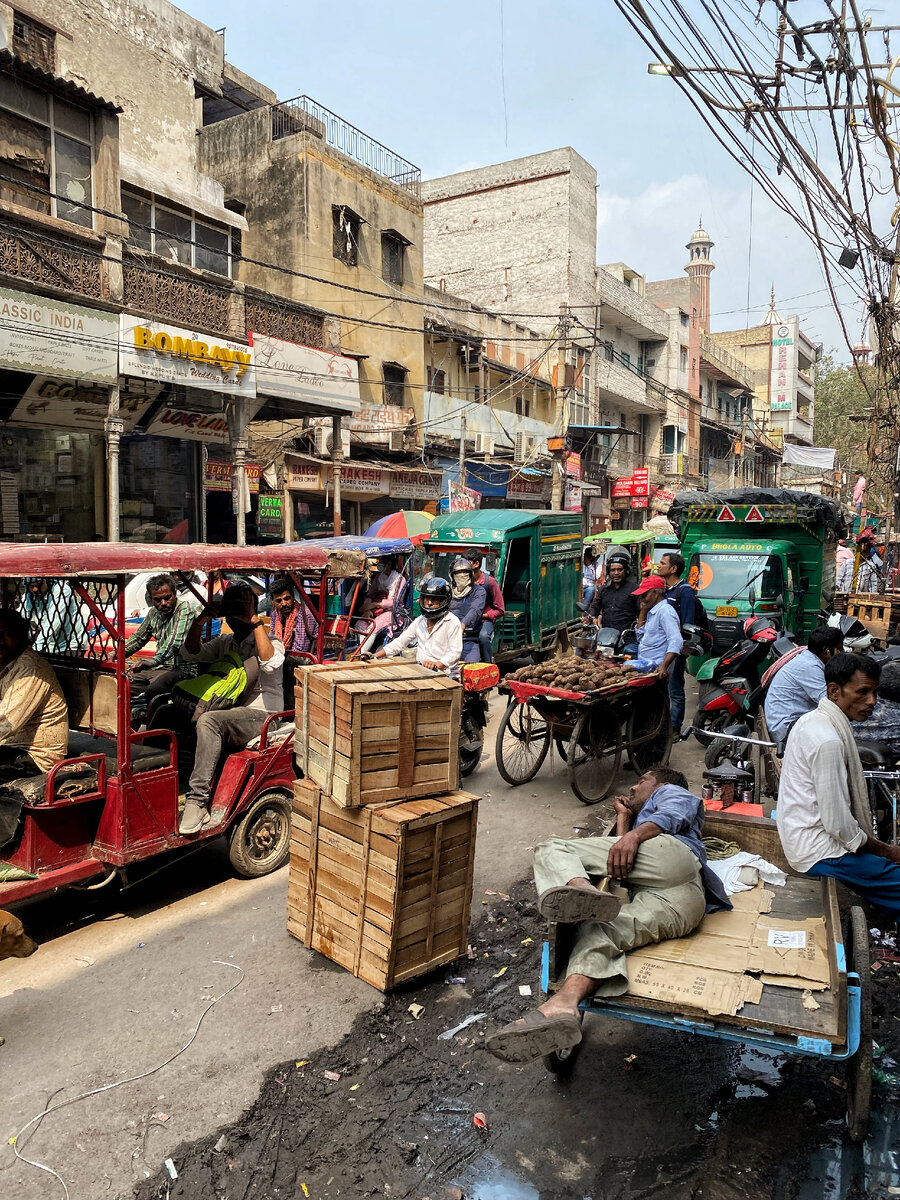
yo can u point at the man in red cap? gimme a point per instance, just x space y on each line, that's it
658 629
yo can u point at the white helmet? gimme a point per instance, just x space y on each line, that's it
857 639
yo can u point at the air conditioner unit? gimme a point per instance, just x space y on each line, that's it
324 442
484 443
397 440
525 443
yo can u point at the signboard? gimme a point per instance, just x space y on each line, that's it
56 338
639 501
573 500
528 487
783 370
640 483
171 355
196 427
725 514
662 499
417 485
67 404
303 474
487 479
269 516
573 465
622 487
754 515
218 475
301 373
368 481
374 423
463 499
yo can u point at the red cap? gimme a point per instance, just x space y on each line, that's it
649 584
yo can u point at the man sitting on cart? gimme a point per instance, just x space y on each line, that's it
438 634
231 727
657 852
167 623
823 814
34 719
658 629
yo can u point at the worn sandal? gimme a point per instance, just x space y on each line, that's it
573 904
533 1036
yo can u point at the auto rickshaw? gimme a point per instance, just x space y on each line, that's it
114 801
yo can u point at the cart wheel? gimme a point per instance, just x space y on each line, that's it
649 719
859 1067
260 841
595 751
562 747
523 740
562 1062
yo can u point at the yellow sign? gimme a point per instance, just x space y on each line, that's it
185 347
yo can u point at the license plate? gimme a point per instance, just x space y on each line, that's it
726 610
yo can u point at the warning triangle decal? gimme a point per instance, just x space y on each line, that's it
725 514
754 515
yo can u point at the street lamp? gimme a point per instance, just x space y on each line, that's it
662 69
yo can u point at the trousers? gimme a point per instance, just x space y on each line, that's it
676 692
875 879
486 641
666 900
229 727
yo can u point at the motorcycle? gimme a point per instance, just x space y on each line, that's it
736 676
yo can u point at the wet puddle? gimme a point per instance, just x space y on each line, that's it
488 1179
840 1170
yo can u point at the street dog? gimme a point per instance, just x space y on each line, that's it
14 941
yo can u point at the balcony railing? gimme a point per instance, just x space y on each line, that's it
305 115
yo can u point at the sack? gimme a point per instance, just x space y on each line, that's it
222 686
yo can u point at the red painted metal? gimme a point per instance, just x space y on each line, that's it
96 558
21 889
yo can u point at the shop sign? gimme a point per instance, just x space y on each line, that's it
622 487
573 465
67 404
639 501
662 500
374 423
195 426
268 516
528 487
57 338
367 480
487 479
417 485
302 373
592 470
172 355
640 483
303 475
218 475
573 497
463 499
620 502
781 377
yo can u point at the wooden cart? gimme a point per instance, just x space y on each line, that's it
591 731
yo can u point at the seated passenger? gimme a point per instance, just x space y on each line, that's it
293 624
384 592
167 622
438 634
231 727
34 720
54 612
799 685
468 603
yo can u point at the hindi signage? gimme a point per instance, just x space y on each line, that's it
373 424
51 337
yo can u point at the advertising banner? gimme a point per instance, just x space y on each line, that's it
218 474
528 487
53 337
167 354
463 499
295 372
640 483
622 488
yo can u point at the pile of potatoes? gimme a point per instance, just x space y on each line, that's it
572 674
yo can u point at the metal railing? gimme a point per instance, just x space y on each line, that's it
305 115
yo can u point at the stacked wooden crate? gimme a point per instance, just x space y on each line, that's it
382 845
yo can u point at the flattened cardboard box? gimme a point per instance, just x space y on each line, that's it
718 993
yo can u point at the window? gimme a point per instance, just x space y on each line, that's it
436 380
34 42
683 358
523 405
394 384
178 235
392 253
46 152
345 243
626 358
668 439
608 352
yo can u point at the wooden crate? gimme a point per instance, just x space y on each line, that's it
875 612
372 733
386 890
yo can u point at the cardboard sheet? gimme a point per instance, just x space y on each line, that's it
804 963
715 992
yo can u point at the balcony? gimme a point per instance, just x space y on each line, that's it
444 423
305 115
724 365
793 427
622 308
618 385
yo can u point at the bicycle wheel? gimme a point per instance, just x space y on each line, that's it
594 754
523 740
648 731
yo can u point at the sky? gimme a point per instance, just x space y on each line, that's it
440 85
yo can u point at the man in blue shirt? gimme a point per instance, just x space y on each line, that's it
658 853
799 685
683 600
658 629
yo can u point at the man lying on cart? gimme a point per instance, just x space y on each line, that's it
657 853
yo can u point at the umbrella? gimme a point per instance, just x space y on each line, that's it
413 525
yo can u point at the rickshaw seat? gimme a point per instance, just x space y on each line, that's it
143 756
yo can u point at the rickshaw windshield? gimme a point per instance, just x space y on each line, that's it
729 576
442 560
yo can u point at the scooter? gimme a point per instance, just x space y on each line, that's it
736 676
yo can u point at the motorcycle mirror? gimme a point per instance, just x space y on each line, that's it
751 596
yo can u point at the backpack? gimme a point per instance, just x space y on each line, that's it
701 620
221 686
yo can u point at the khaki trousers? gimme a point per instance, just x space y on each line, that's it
666 900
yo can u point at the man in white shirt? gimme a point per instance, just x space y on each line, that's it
233 727
823 815
439 634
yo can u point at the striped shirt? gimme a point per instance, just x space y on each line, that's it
170 634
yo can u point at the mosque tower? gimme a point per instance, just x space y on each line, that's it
699 268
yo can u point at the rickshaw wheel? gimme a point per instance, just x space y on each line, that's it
647 717
859 1067
260 841
595 751
561 1063
523 740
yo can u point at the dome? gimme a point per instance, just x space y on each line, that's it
701 236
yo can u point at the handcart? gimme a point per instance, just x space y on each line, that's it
590 730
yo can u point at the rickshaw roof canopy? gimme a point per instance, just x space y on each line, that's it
482 522
624 537
76 559
372 547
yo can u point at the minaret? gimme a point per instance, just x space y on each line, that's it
862 349
772 317
700 268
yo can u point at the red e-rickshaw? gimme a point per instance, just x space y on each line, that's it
114 800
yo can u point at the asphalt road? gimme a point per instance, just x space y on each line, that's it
122 978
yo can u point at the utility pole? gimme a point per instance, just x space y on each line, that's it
462 450
336 457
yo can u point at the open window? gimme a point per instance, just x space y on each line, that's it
346 230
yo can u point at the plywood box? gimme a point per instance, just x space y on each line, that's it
385 890
372 733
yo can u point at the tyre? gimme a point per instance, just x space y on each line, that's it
716 752
562 1062
594 754
259 842
649 724
562 747
468 761
859 1067
523 740
706 726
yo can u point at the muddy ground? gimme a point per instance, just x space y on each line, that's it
646 1114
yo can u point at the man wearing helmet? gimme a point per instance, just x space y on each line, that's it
799 685
614 604
468 603
437 632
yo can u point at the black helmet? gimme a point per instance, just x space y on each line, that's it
434 596
619 555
